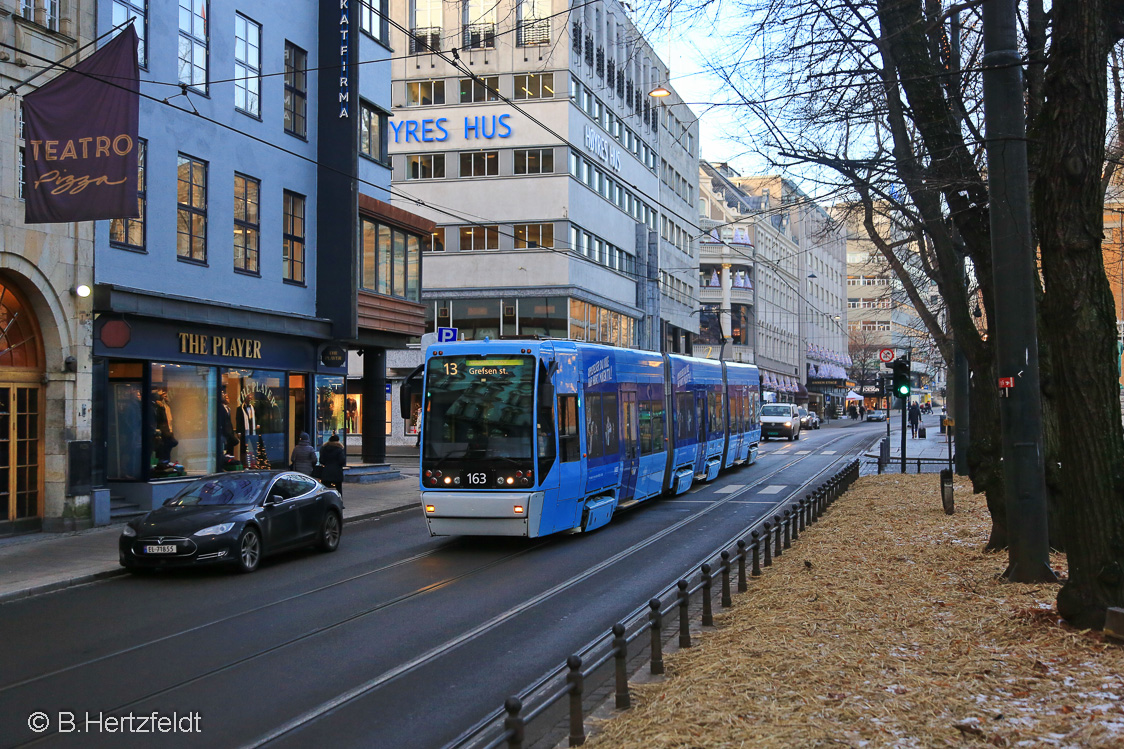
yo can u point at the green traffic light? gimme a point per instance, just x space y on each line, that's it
903 390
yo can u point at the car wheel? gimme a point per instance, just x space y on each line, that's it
249 550
330 531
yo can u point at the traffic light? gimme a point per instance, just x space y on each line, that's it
901 383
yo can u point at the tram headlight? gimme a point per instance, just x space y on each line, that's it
448 480
430 508
518 509
510 481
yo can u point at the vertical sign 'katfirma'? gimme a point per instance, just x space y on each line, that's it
81 136
344 57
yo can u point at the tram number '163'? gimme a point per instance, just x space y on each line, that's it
478 479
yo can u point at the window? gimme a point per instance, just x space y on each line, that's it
296 90
292 233
372 19
480 238
533 86
480 164
391 260
247 65
479 19
425 33
534 161
27 9
372 132
246 223
594 444
437 240
425 166
129 232
530 236
138 11
191 225
51 14
424 93
474 90
193 44
532 23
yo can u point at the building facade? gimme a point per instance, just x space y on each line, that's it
795 282
562 193
266 248
45 321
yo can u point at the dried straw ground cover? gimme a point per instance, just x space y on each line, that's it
885 626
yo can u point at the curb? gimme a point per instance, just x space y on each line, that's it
91 577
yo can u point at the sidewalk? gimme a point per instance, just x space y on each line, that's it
42 562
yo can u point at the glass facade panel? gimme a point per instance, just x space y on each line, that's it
331 408
476 318
258 404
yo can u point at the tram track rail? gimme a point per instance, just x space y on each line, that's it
326 708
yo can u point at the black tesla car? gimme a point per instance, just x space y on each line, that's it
235 518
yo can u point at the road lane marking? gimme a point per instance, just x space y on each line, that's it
803 452
828 452
730 489
773 489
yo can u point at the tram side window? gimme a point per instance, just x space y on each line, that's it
593 433
569 442
657 410
645 427
684 416
718 425
612 424
629 426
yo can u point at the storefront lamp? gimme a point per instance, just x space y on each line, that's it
81 290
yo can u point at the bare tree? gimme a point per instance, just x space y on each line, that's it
880 103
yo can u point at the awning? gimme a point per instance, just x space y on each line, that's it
853 396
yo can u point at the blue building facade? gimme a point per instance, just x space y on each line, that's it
266 247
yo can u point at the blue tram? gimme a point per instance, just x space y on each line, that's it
529 438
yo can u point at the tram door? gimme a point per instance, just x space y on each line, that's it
630 445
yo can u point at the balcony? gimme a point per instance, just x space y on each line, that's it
533 32
479 36
423 40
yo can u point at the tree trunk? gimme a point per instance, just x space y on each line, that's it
985 450
1079 309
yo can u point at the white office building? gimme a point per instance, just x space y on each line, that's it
564 194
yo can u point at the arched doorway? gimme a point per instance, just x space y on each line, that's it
21 410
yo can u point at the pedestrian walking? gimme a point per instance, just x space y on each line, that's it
304 455
862 412
333 458
914 417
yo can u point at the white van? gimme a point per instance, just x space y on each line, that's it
780 420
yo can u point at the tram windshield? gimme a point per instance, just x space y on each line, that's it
479 409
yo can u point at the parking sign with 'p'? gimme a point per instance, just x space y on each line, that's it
446 335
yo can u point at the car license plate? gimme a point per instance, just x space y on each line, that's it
164 549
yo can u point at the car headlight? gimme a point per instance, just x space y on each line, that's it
128 531
788 423
214 530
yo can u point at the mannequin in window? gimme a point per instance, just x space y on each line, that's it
248 426
226 425
164 440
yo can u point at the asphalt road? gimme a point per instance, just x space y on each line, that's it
396 640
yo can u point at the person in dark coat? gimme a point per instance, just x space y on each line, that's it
333 457
914 417
303 457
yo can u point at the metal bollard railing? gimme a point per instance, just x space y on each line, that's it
805 512
513 722
577 686
768 535
743 585
655 616
708 614
778 524
620 654
727 599
684 621
795 526
756 570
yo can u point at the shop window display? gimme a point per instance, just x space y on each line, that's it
182 398
257 400
331 408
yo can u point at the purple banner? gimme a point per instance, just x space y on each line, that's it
80 131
